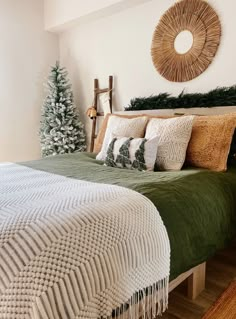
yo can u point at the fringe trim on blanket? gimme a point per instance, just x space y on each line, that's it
148 303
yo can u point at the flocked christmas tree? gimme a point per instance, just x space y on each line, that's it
61 131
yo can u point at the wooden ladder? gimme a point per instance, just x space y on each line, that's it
97 92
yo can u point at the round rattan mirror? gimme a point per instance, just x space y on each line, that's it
186 40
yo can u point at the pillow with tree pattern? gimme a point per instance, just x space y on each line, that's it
132 153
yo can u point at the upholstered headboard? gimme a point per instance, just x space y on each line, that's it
198 111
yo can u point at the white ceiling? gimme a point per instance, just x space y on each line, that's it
62 14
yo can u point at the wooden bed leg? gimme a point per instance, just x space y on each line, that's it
196 282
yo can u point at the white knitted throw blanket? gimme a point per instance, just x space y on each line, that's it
73 249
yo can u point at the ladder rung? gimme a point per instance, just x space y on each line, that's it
98 91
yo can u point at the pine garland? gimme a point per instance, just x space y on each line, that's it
224 96
61 130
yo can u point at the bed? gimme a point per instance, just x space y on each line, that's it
198 207
193 209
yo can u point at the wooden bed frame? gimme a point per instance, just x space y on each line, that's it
195 280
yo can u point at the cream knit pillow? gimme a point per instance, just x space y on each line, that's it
173 138
122 127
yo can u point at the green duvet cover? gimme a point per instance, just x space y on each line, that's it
198 207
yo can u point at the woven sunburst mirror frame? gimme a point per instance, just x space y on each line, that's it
198 17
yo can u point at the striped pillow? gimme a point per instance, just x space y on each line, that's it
132 153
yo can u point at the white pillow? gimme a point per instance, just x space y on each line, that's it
120 126
132 153
174 135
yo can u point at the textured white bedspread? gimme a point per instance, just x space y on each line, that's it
76 249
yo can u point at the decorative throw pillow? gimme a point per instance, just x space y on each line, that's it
122 127
210 142
101 135
132 153
173 138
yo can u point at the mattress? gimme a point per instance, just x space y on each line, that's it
198 207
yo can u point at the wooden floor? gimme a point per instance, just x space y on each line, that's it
221 271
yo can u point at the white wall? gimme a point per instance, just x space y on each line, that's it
26 51
120 45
